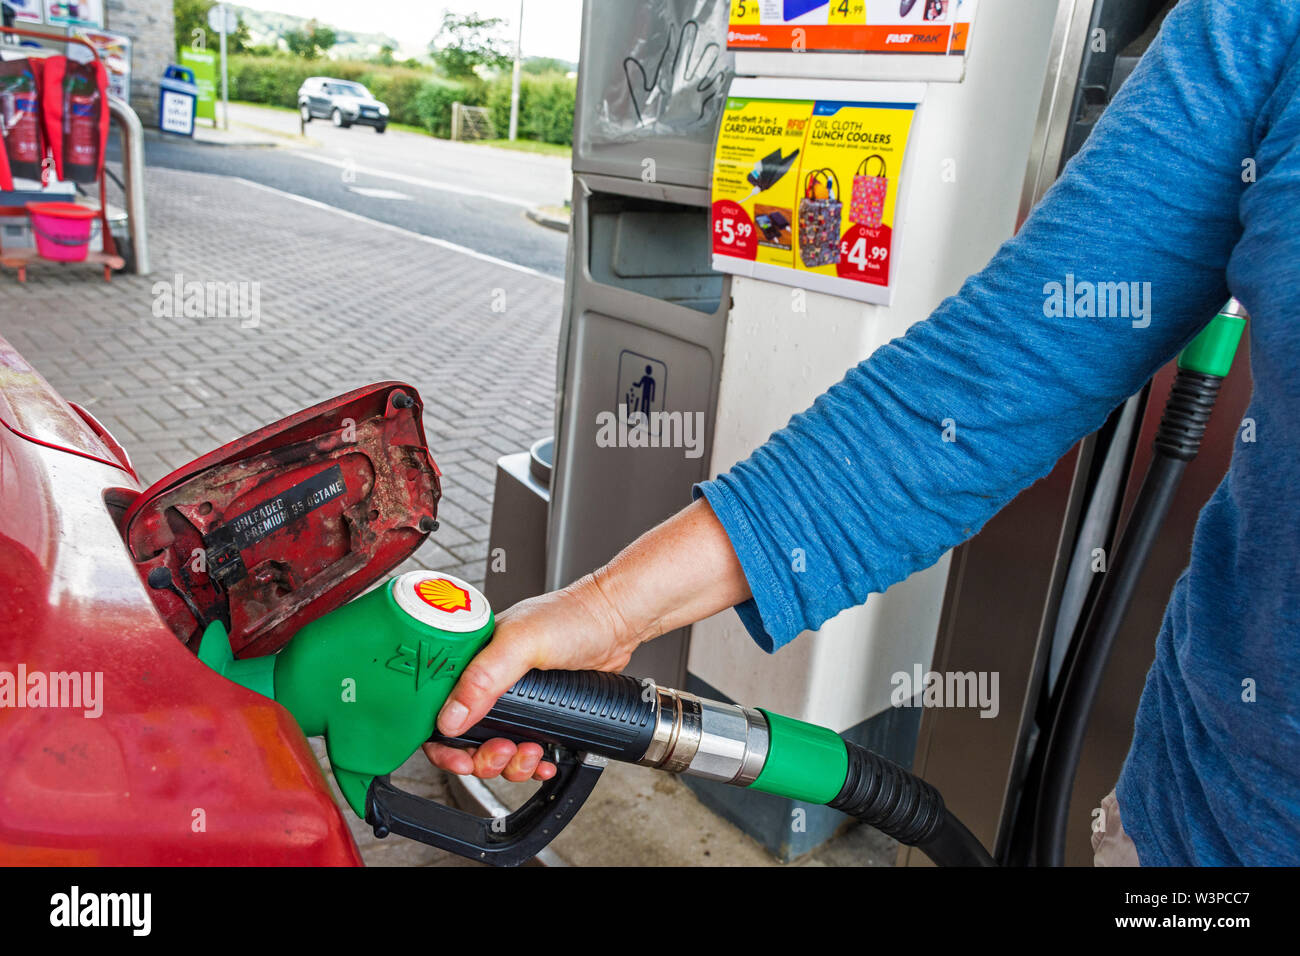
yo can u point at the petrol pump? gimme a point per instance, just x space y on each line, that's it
770 338
764 194
705 163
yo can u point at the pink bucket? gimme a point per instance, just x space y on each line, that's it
62 229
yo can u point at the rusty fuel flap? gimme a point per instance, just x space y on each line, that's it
281 526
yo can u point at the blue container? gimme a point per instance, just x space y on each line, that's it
178 99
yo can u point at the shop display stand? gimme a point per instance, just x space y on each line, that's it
22 259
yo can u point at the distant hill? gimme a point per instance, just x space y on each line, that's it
266 28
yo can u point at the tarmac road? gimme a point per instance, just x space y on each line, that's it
473 196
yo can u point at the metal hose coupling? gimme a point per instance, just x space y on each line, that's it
705 738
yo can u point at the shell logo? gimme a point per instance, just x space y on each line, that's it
442 594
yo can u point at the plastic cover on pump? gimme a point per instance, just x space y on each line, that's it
664 69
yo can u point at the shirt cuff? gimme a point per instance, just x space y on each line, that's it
768 616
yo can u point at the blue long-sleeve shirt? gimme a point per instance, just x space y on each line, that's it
1191 183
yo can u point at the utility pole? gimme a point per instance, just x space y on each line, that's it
514 82
224 20
225 76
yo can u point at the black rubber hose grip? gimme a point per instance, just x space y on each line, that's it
588 711
880 792
1187 413
900 804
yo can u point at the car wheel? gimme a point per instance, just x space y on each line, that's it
380 129
337 119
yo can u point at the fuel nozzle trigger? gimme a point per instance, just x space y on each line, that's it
502 841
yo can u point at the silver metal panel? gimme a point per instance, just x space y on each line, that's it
651 82
650 312
1069 35
518 534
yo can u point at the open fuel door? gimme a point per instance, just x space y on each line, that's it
283 525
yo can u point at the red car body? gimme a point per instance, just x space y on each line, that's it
181 766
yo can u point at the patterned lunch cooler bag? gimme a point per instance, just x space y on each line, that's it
868 204
819 219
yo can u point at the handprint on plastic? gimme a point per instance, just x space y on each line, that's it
680 79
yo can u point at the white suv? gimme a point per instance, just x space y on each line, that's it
342 101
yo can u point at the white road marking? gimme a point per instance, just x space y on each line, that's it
370 193
410 234
352 167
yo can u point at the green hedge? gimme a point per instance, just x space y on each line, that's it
400 90
433 104
546 105
415 97
275 79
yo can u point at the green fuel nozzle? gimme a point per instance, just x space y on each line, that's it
1214 348
372 676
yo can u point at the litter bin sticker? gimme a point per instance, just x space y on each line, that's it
642 384
805 190
176 113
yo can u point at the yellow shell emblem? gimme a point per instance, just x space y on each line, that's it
443 594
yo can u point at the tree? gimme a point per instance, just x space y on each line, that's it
192 15
465 43
385 56
311 41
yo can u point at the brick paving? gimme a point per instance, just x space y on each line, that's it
342 304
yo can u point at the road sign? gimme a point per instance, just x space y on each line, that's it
224 21
222 15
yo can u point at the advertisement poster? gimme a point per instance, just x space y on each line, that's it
74 13
939 27
204 65
26 11
805 190
115 53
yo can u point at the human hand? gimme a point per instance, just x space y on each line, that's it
674 574
576 628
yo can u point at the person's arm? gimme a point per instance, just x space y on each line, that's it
917 447
864 483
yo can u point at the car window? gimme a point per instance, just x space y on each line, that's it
348 89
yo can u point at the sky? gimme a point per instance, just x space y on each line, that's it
551 27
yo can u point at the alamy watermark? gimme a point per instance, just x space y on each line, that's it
1086 299
75 908
76 690
950 689
192 299
651 430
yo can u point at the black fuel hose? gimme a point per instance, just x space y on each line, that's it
902 805
1177 441
620 717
